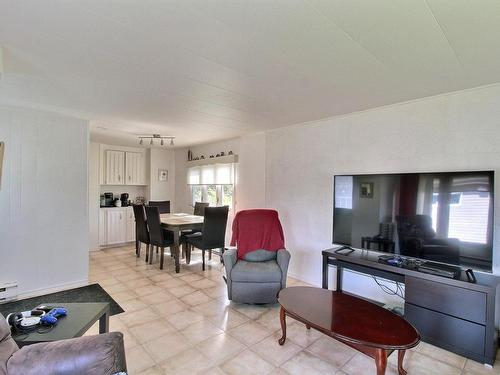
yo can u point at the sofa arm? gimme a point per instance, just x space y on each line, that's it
101 354
283 259
230 258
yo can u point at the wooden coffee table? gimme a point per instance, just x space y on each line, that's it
362 325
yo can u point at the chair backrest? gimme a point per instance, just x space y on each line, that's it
141 228
163 206
154 225
199 208
214 226
257 229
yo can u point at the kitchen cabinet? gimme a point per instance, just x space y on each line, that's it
130 235
116 225
124 168
134 162
114 167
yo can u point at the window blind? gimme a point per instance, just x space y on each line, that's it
213 174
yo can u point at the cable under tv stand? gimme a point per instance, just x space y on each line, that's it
451 313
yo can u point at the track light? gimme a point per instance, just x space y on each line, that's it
152 137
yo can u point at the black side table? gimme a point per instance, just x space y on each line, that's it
81 316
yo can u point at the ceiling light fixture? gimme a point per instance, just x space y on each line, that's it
153 137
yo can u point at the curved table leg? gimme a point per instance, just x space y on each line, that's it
281 341
381 361
401 356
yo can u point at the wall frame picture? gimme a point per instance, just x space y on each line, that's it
163 175
366 190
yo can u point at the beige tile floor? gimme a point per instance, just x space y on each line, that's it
183 324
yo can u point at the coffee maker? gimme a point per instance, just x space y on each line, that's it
108 199
124 199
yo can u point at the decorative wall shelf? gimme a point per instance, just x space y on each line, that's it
208 161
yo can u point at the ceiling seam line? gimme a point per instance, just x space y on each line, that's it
444 35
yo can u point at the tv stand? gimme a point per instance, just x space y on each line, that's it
454 314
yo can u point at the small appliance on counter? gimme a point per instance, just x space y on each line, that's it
124 200
117 202
107 200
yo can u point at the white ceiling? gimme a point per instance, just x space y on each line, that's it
204 70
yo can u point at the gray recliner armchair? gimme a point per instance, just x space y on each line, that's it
258 277
92 355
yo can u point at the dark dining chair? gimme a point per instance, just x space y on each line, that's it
141 230
199 208
159 237
213 233
163 206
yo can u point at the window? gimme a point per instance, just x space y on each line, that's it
227 195
215 195
196 193
343 192
212 196
212 183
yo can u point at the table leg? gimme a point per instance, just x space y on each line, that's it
339 279
401 356
325 272
177 251
381 361
281 341
104 323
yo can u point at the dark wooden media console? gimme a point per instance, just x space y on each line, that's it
454 314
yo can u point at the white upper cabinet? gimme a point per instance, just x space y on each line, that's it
114 167
134 162
122 167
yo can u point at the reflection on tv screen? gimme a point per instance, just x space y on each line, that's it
444 217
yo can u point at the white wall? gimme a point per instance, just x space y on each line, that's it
249 190
457 131
43 200
162 190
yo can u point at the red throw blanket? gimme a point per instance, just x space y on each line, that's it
257 229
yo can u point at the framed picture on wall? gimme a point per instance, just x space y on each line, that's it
366 190
163 175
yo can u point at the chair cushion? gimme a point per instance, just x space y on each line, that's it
256 272
260 256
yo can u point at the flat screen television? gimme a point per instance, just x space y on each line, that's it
443 217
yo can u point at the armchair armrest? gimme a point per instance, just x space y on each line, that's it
230 258
101 354
283 260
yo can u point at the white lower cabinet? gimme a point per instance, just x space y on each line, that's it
116 225
130 225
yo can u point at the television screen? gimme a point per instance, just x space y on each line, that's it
444 217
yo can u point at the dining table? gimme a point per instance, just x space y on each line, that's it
179 222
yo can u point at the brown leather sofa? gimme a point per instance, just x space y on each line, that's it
92 355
